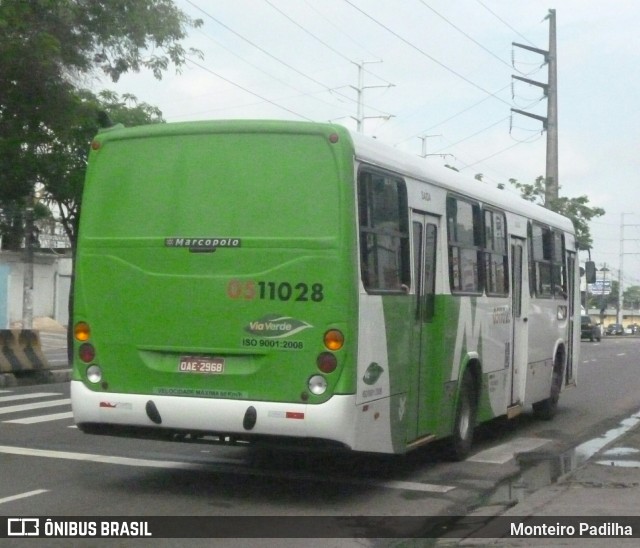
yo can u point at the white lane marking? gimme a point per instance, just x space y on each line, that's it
30 406
503 453
589 448
147 463
34 395
42 418
24 495
105 459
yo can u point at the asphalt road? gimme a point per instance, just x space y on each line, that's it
49 468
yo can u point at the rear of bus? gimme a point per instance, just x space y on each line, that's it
216 283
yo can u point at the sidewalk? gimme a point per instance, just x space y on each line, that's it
601 491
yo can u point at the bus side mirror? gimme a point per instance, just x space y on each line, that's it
590 271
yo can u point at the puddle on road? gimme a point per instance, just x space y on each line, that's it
620 456
541 469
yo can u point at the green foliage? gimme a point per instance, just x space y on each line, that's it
64 162
577 209
631 297
48 48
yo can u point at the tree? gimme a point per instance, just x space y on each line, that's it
577 209
48 48
64 163
631 297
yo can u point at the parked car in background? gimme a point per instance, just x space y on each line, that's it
589 329
615 329
633 329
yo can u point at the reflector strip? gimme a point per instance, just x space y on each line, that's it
294 415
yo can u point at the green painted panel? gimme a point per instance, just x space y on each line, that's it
226 241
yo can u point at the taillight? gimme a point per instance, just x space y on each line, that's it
333 339
87 352
82 332
327 362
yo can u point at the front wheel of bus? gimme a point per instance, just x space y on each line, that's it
465 422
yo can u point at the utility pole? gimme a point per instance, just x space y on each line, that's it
550 122
619 316
552 186
360 117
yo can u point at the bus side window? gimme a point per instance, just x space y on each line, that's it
547 262
384 232
464 227
496 260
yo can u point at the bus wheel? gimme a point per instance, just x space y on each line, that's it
465 422
547 409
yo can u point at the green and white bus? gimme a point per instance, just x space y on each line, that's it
286 282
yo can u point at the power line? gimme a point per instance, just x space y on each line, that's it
259 69
268 54
422 52
361 46
305 30
248 90
477 133
474 105
465 34
503 21
500 152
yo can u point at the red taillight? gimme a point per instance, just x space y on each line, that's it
327 362
87 352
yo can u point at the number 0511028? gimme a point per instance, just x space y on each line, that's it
275 291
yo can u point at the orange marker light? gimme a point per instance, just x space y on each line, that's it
82 331
333 339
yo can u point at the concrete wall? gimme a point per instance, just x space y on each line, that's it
51 285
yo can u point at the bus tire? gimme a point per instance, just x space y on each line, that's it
547 409
465 421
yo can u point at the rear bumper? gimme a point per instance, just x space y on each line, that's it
173 417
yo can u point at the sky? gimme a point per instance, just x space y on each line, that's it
438 72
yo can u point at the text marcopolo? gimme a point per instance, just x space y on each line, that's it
202 243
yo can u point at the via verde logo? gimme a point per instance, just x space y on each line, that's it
273 326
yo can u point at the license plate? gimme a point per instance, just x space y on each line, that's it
201 364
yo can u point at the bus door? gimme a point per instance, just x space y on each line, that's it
519 308
421 404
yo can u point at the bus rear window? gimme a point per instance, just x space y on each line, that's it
218 185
